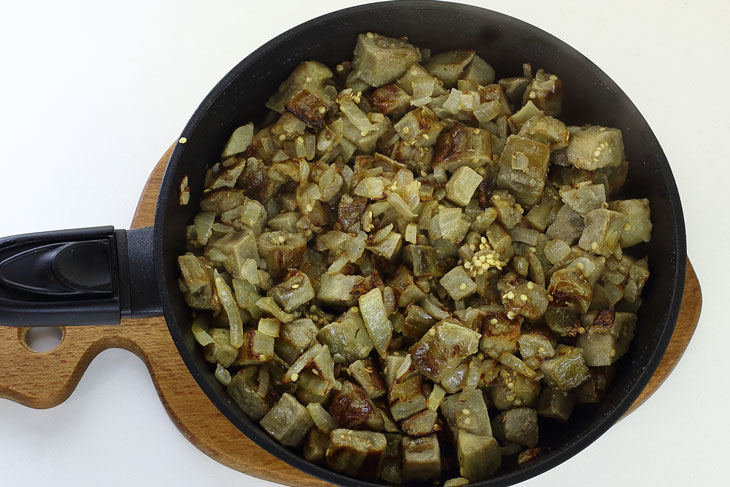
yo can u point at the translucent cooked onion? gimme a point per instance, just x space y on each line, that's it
225 295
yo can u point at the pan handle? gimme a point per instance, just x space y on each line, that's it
90 276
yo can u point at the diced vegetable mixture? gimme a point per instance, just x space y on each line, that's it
413 264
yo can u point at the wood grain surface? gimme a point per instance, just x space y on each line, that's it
44 380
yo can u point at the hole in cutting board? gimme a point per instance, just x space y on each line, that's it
43 339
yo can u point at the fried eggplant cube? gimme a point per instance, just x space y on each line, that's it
448 66
594 147
391 100
281 251
637 226
310 76
421 459
458 284
406 397
367 374
257 348
602 232
420 424
356 453
556 404
347 339
295 338
220 351
315 446
353 409
288 421
570 289
479 456
247 391
443 348
547 130
607 337
419 127
567 370
380 60
499 333
471 416
523 168
294 292
518 426
463 146
512 389
527 299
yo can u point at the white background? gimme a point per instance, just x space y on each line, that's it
92 93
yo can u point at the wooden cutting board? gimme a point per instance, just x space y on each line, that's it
44 380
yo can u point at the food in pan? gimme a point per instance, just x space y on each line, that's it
412 264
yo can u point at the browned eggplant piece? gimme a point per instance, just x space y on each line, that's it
308 107
470 416
295 338
546 91
479 456
197 282
416 158
257 348
281 251
391 100
315 446
288 421
220 351
595 388
499 332
310 76
448 66
350 211
356 453
421 459
420 424
406 397
556 404
547 130
381 60
607 336
292 293
367 374
352 409
348 340
479 72
494 92
250 390
518 426
423 260
594 147
419 127
222 200
512 389
638 225
443 348
567 370
462 146
570 289
523 168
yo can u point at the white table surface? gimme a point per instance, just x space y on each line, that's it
94 92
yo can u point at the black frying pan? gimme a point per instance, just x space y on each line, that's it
95 276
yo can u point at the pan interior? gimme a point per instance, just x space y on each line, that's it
505 43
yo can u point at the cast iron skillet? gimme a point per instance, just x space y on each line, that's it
94 276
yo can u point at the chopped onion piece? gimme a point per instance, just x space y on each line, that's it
225 295
434 399
222 374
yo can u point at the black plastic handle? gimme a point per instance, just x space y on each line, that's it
90 276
